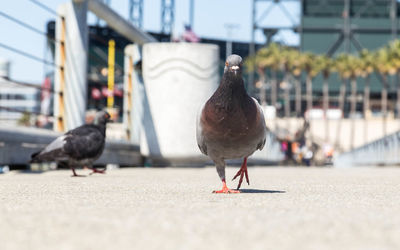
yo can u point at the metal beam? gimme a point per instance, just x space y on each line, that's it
335 45
167 16
301 24
191 14
287 13
393 17
333 29
346 26
119 24
276 1
265 14
136 12
252 47
356 43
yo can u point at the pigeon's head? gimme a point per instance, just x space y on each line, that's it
101 118
233 64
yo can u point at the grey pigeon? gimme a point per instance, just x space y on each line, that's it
79 147
231 123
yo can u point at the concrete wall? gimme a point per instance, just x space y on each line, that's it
362 134
18 143
384 151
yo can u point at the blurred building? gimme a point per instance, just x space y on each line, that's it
15 98
338 26
348 26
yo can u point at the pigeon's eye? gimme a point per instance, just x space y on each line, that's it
226 64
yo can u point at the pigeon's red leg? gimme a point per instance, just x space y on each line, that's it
242 172
225 189
74 173
95 170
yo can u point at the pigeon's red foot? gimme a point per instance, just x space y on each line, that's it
95 170
225 190
242 171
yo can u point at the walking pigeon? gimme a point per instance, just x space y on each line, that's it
78 147
231 123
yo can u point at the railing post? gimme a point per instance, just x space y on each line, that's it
128 98
60 114
111 66
70 78
133 94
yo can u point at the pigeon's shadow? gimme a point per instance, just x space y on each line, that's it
260 191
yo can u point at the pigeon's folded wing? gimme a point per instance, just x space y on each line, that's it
84 142
260 146
199 133
52 152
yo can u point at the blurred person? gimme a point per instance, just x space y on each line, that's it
189 36
307 155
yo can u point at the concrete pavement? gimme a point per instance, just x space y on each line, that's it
173 208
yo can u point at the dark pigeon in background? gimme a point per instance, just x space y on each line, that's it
231 124
79 147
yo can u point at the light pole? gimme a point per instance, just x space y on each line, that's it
229 28
191 14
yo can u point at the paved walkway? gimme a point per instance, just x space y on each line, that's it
173 208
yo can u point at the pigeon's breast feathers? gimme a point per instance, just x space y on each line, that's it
231 122
230 109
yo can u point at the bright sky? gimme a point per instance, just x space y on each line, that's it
210 19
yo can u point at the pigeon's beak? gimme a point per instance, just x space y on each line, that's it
235 69
108 117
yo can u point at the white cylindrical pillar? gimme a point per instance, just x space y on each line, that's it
178 80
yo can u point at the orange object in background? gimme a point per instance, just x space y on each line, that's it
295 147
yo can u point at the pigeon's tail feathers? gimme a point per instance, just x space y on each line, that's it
34 157
263 138
53 152
39 157
52 156
55 145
